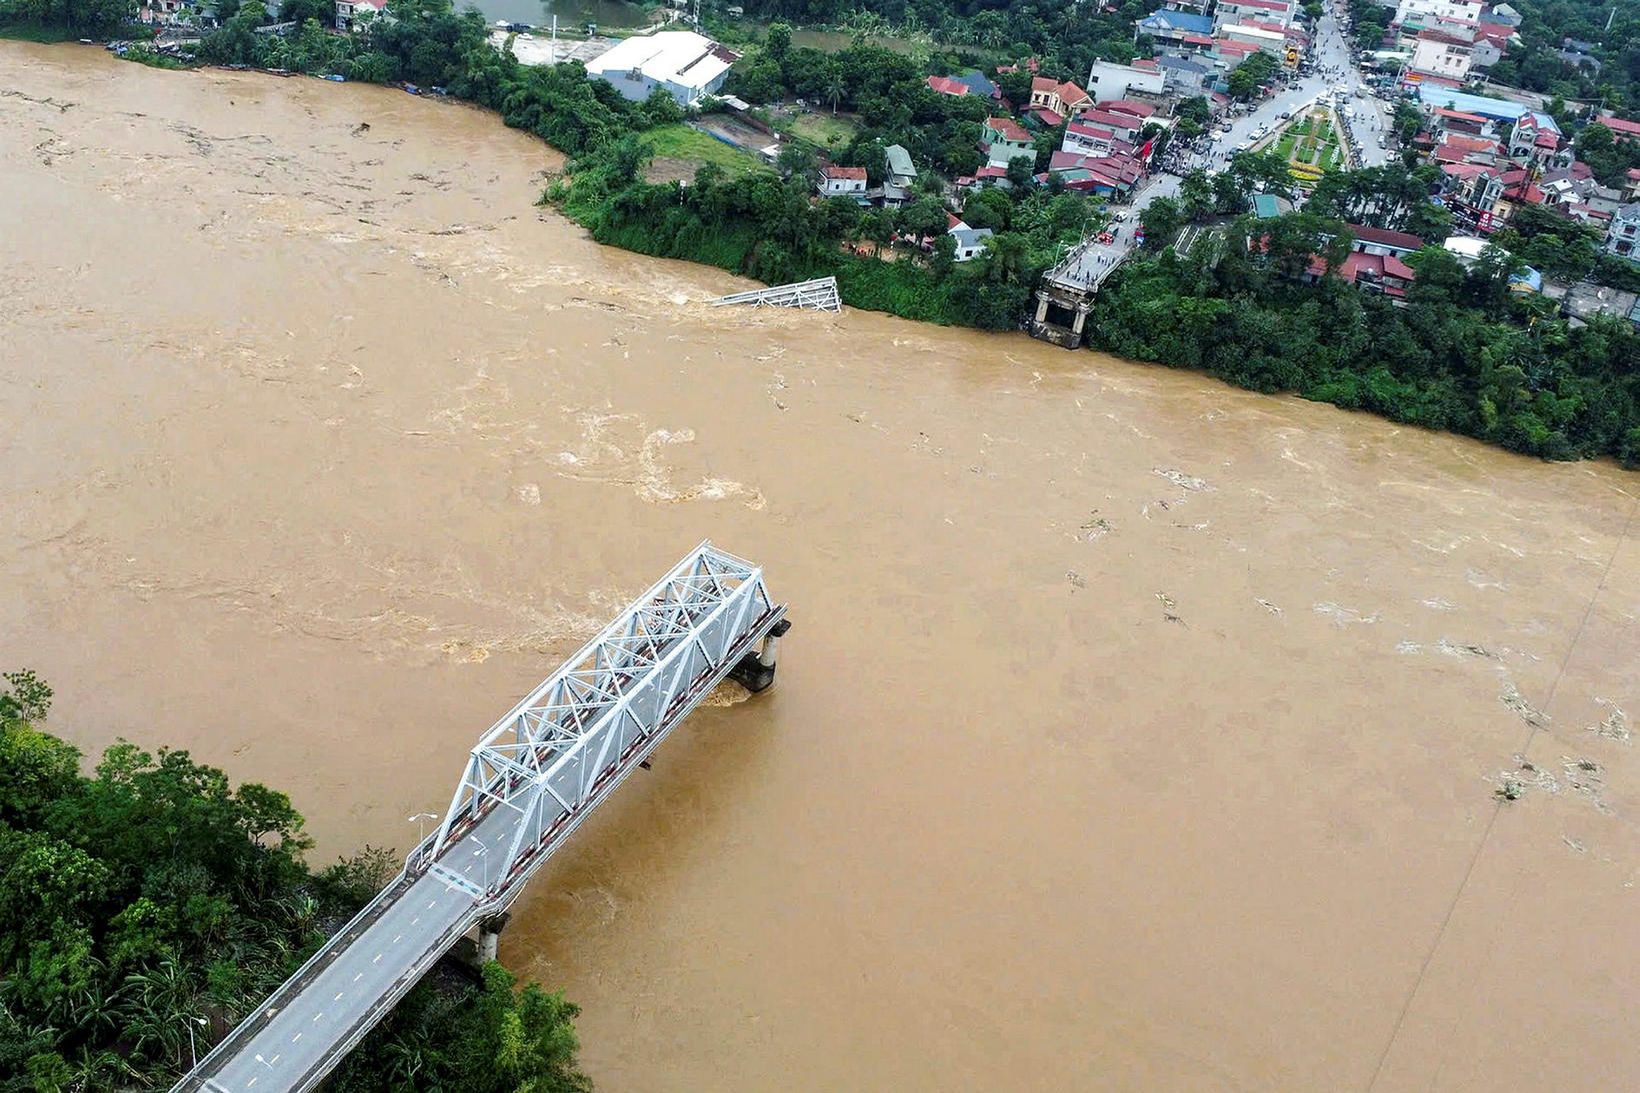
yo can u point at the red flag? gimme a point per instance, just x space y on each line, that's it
1150 146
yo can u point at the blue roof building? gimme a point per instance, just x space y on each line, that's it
1497 109
976 83
1178 22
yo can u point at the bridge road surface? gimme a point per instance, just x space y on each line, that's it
404 941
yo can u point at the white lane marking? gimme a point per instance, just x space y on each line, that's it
358 976
316 1017
338 997
273 1060
431 904
295 1038
396 939
415 920
250 1083
375 958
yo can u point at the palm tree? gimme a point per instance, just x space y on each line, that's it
835 88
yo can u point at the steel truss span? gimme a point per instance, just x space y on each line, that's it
526 786
555 754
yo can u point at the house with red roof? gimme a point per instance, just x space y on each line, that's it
1381 241
1376 273
1005 140
1621 128
843 182
945 85
1059 98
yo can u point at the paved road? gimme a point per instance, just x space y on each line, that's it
1091 261
413 931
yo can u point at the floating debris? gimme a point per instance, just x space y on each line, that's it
1530 714
1182 480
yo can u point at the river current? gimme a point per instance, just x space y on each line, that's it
1134 732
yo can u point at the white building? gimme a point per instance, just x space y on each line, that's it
1418 12
1442 54
350 12
1108 80
1267 40
686 65
843 182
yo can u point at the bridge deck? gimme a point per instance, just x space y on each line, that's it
531 781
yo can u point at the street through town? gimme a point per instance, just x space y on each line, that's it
1092 261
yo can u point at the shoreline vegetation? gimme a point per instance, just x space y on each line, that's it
152 899
1464 354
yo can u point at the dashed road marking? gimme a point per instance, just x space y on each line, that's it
375 958
338 997
358 976
295 1038
316 1017
250 1083
396 938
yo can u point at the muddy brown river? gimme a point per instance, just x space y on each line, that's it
1134 732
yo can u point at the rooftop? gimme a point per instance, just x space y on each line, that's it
679 57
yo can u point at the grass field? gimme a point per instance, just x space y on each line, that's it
823 129
686 145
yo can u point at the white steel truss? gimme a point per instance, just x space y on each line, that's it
820 294
561 750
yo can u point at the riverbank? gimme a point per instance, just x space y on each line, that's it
326 463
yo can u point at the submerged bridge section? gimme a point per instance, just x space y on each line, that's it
527 785
817 295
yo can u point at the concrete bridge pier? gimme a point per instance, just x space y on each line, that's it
755 672
489 936
1062 313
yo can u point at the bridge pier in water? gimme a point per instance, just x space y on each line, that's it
755 671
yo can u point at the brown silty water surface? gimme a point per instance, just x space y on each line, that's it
1134 732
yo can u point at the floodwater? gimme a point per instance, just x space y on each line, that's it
1133 733
572 14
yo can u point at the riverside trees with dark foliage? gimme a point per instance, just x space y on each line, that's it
1465 355
152 898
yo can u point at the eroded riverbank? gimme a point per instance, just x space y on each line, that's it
1135 732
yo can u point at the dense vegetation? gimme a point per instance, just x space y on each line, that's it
149 905
1067 37
1466 354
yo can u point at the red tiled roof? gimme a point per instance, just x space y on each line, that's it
1197 40
1443 36
1547 139
952 221
1263 5
991 172
1467 170
1042 83
1147 65
1634 174
1581 169
1070 94
1620 125
1384 237
1108 118
1458 115
1008 128
857 174
1048 117
945 85
1127 106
